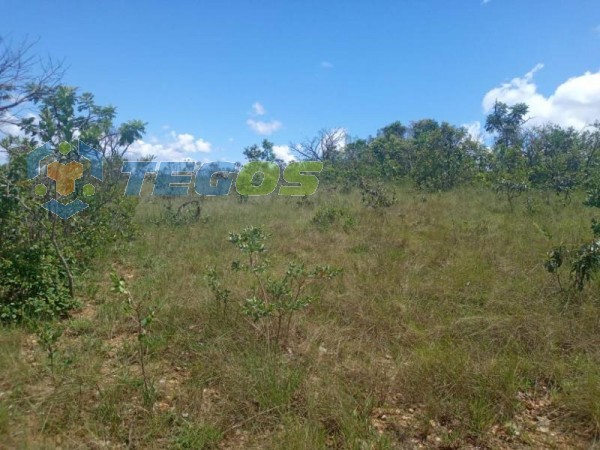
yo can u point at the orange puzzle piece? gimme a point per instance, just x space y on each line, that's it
65 175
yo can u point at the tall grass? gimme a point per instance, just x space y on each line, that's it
444 313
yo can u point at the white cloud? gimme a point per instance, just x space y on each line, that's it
339 137
190 144
475 131
260 126
9 129
178 147
264 128
9 126
283 152
576 102
258 109
326 65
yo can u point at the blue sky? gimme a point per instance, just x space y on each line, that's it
194 70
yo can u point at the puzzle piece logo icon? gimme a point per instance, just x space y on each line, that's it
65 175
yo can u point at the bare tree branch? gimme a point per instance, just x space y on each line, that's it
24 78
323 147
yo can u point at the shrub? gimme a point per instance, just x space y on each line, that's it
142 316
221 294
41 255
511 189
32 283
328 216
273 299
185 214
375 194
584 260
584 263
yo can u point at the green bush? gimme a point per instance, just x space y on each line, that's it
41 254
32 283
274 298
376 195
327 216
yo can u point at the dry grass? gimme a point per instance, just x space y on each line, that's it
444 331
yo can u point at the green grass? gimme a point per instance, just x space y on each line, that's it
444 313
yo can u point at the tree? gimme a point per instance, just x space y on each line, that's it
394 154
442 158
422 128
24 78
590 142
507 123
393 129
554 157
325 146
64 115
41 255
262 153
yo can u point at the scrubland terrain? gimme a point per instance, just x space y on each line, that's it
443 330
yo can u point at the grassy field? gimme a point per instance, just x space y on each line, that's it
443 331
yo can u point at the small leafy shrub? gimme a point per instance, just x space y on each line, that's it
562 185
327 216
221 294
596 228
532 204
584 260
511 190
32 282
592 190
376 195
584 263
142 317
274 299
185 214
48 336
305 201
555 261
